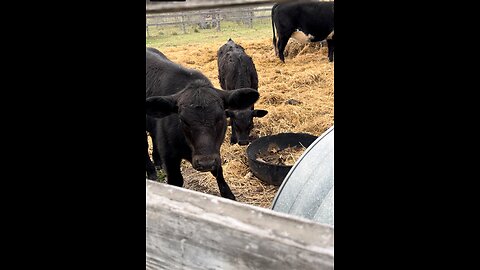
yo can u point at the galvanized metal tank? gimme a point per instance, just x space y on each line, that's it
307 190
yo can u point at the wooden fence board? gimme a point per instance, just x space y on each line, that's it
191 230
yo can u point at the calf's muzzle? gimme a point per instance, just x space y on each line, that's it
206 163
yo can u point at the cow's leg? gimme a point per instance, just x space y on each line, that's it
233 138
157 161
275 44
222 185
331 45
172 169
151 172
282 43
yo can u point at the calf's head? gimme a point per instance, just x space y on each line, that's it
242 124
202 119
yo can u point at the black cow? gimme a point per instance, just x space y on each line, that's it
237 70
314 19
153 50
150 126
191 120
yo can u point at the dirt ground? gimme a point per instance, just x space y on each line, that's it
299 97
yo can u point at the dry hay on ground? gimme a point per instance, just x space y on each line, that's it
295 48
298 95
285 157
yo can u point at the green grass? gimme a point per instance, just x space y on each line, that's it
161 175
173 36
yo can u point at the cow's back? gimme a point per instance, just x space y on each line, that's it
312 9
237 70
228 47
156 51
316 18
165 77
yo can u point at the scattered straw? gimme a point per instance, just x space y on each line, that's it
276 156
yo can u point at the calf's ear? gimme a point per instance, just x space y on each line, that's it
239 99
259 113
160 106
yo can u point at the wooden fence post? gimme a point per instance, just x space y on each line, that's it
218 21
183 23
250 19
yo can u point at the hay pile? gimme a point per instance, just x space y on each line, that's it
298 95
295 48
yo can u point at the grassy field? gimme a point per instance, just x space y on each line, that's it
173 36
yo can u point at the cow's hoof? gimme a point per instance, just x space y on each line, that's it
230 196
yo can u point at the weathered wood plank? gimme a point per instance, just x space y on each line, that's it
192 230
208 12
161 7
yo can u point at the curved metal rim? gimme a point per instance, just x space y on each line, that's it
298 162
251 155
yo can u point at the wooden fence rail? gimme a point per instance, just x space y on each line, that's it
192 230
182 19
203 12
163 7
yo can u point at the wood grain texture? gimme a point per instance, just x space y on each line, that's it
162 7
190 230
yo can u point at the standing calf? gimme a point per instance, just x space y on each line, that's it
188 118
237 70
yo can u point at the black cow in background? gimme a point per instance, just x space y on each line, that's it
313 18
191 121
237 70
